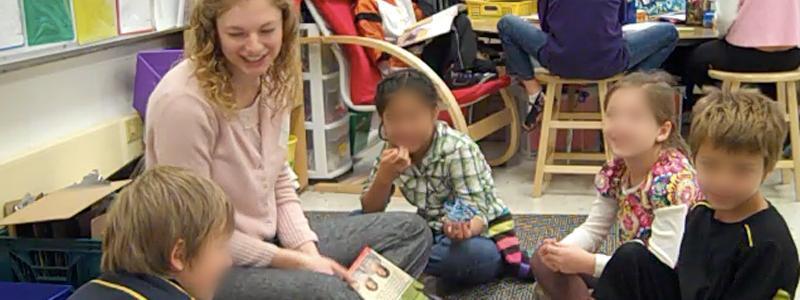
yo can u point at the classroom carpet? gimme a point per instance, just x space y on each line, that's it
532 230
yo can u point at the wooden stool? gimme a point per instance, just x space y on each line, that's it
553 120
786 83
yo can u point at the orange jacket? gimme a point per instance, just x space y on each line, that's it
369 24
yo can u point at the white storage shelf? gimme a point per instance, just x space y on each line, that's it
327 118
334 108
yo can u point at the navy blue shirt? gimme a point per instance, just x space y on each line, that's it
124 286
584 37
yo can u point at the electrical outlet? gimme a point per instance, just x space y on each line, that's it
133 129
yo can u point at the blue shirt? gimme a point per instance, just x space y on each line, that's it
584 37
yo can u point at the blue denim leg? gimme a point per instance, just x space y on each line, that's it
521 41
471 262
649 48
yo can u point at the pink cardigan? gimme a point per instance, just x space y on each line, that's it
759 23
183 129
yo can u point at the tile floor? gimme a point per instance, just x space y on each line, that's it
567 194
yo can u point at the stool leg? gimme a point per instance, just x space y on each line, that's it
794 131
544 140
553 142
552 145
602 89
735 85
786 174
726 85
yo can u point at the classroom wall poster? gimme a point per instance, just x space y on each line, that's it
134 16
165 13
11 31
95 20
48 21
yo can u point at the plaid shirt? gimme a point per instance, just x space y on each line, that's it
454 167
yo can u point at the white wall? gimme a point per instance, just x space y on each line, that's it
43 103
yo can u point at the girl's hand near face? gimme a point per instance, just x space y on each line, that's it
394 161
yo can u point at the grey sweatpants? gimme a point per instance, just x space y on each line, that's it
403 238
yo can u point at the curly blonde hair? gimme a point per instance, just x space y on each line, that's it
204 50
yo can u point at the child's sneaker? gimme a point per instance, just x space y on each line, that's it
460 79
535 108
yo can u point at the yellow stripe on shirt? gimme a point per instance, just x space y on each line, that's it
120 288
781 295
749 235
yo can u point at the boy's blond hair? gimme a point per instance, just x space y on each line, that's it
741 121
161 207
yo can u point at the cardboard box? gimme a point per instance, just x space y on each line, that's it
65 213
99 224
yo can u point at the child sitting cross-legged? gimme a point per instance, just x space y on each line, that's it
444 174
167 238
735 245
648 183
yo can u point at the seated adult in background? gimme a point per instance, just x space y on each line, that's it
580 39
223 113
755 36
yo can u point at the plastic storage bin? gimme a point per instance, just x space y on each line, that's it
496 9
334 108
360 125
34 291
333 146
58 261
316 55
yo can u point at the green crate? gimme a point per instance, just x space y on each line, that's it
359 130
59 261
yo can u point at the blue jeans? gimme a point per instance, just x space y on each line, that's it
521 41
647 48
471 262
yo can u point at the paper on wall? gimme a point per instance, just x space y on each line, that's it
134 16
11 34
166 13
95 20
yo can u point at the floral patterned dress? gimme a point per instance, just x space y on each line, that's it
671 181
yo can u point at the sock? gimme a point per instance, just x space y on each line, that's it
535 98
501 230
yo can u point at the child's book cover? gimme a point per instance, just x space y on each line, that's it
377 278
430 27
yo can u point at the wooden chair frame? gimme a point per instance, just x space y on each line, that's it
507 117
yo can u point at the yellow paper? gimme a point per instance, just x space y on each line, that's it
95 20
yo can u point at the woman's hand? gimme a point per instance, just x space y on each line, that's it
295 260
394 161
567 259
324 265
459 231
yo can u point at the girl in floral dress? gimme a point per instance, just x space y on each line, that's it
649 185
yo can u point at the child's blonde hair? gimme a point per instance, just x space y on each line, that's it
661 99
161 207
741 121
281 80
